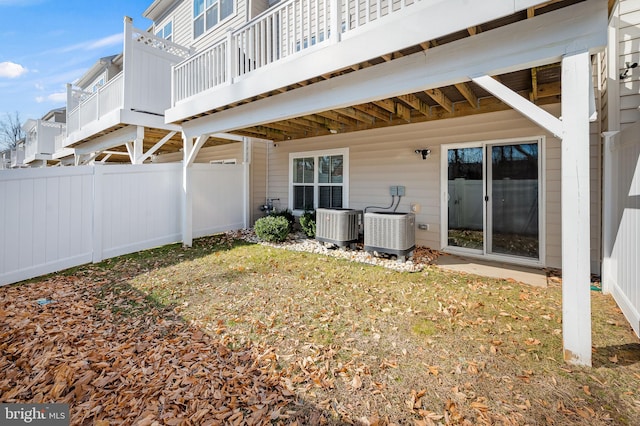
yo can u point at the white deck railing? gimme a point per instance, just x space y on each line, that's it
284 30
148 73
41 140
106 99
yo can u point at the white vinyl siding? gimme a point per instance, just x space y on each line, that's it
209 13
182 16
384 157
628 51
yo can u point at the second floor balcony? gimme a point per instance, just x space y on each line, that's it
299 42
138 95
40 139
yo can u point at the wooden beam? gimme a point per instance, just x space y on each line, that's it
465 90
403 112
416 103
549 89
534 85
386 104
337 117
374 111
442 100
357 115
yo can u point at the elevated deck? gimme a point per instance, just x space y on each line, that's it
137 96
302 42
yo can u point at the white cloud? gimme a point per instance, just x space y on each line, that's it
58 97
11 70
39 86
112 40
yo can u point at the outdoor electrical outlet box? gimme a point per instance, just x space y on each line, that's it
400 191
393 190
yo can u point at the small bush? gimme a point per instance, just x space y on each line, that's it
272 228
287 214
308 224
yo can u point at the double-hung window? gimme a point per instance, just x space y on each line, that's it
208 13
319 179
166 32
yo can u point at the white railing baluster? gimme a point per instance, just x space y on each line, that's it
281 31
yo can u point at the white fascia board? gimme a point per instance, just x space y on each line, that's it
401 30
533 42
137 118
110 140
120 116
157 8
106 121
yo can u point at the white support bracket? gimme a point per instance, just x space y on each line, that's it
191 156
156 147
520 104
135 147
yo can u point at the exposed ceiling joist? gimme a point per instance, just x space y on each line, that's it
442 100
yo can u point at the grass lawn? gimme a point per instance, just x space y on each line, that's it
228 332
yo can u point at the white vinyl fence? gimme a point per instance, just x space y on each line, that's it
56 218
621 213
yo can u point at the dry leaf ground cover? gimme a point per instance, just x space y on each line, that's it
234 333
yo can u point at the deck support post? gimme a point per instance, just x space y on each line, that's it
573 129
246 169
187 196
135 147
576 243
189 153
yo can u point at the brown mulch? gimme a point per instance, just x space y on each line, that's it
115 368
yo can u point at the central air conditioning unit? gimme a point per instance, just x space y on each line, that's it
390 233
338 226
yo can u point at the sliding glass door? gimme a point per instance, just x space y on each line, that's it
493 199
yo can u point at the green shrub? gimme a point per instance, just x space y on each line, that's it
272 228
287 214
308 224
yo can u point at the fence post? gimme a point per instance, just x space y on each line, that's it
98 196
127 63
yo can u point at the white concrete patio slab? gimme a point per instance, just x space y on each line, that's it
532 276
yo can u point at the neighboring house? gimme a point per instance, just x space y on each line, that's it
5 159
459 102
17 156
115 111
41 135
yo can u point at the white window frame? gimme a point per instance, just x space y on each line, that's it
542 202
316 184
203 14
161 32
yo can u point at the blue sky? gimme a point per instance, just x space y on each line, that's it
47 43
